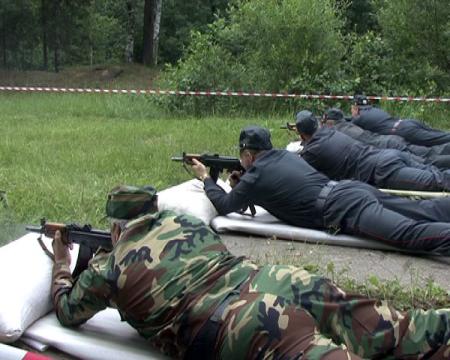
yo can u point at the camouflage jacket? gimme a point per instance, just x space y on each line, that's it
166 276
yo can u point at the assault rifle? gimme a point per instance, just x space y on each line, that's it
216 164
89 239
289 126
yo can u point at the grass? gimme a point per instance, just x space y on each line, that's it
61 153
416 292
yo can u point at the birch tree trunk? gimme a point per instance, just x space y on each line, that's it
129 47
152 20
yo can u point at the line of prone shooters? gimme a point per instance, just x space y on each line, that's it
332 181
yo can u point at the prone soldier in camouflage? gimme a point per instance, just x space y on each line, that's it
173 280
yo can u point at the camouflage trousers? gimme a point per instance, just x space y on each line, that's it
285 313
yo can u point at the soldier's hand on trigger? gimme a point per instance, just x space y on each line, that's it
199 170
61 248
234 178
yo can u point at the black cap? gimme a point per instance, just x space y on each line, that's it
255 138
360 100
306 122
334 114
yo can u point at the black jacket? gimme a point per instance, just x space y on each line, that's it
279 181
375 120
339 157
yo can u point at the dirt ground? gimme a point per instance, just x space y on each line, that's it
358 264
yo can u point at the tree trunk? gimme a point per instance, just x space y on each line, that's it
156 31
56 58
129 47
44 10
152 18
4 41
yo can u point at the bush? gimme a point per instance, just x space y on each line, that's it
273 46
417 33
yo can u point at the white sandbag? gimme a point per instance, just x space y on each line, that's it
25 280
189 198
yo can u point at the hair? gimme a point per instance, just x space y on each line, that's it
251 151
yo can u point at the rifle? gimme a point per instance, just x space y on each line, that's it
89 239
289 126
216 164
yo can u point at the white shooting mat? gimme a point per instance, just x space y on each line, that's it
264 224
102 337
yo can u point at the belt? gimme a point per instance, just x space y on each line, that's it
396 125
203 345
320 202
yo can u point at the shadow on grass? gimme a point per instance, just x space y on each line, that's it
10 229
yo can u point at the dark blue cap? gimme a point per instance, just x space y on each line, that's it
306 122
360 100
334 114
255 138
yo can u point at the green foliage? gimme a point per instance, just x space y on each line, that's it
368 64
360 16
179 18
287 46
417 33
18 20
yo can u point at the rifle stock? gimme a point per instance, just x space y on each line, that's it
289 126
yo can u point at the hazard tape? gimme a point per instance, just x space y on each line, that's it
218 93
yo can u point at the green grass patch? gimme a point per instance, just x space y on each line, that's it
62 153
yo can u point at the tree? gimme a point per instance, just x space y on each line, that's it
360 16
417 33
130 30
179 18
152 19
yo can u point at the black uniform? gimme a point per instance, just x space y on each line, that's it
413 131
438 155
290 189
339 157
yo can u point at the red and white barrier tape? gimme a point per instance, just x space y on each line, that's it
217 93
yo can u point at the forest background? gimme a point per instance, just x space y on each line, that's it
376 47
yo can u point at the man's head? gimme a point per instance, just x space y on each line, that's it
306 124
331 116
358 102
127 202
252 140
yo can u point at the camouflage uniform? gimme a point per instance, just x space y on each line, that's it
168 274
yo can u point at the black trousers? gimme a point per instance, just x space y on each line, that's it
417 133
360 209
442 162
399 170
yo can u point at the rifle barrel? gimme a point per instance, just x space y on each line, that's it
33 228
177 158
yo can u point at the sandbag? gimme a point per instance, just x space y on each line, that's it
25 281
189 198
